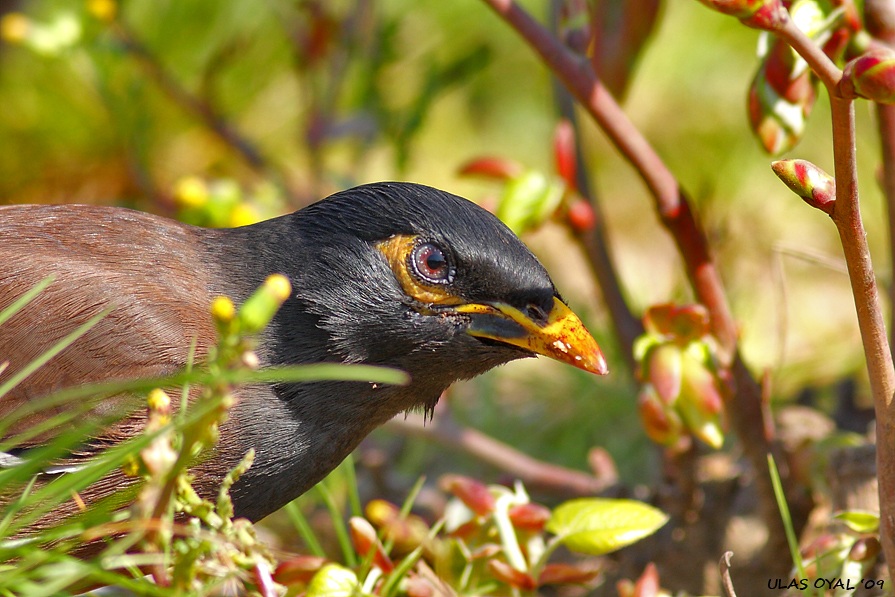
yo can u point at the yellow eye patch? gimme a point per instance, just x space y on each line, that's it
398 251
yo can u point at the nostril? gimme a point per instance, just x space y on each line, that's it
536 313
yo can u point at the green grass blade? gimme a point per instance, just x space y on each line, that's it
785 516
351 487
406 507
303 528
59 490
392 584
23 300
290 374
411 496
40 361
339 526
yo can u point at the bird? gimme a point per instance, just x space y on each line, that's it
391 274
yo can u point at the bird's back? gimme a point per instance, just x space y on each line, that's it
147 269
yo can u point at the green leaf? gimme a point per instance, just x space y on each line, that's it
860 521
529 199
643 344
597 526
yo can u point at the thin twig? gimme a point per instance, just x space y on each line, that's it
671 203
444 430
593 242
847 217
726 582
676 214
819 62
886 127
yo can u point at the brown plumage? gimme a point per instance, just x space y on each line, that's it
387 274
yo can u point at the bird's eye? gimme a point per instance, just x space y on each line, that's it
430 263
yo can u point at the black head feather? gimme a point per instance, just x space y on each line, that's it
491 262
348 306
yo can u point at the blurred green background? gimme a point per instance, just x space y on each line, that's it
338 93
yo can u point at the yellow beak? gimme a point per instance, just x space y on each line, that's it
562 336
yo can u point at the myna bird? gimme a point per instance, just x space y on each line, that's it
392 274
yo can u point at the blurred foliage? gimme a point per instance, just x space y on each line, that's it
224 112
490 540
328 94
122 112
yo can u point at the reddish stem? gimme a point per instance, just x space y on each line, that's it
594 243
675 212
886 127
444 430
671 203
819 62
847 217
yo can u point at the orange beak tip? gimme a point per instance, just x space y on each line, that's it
598 365
592 363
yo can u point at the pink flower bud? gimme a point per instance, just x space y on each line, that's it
781 97
417 586
663 371
530 517
365 541
467 530
648 583
760 14
661 423
406 533
684 323
492 167
485 552
471 492
809 182
564 153
700 403
871 75
557 574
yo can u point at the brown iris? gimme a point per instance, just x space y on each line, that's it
421 267
429 263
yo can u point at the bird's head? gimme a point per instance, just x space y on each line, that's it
416 278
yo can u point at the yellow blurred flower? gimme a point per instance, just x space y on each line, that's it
103 10
191 192
243 215
14 27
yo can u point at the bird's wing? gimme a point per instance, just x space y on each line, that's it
148 270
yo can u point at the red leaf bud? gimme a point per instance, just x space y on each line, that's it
365 541
809 182
871 75
581 216
471 492
298 569
530 517
555 574
564 153
515 578
492 167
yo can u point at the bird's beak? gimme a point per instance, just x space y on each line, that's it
562 336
